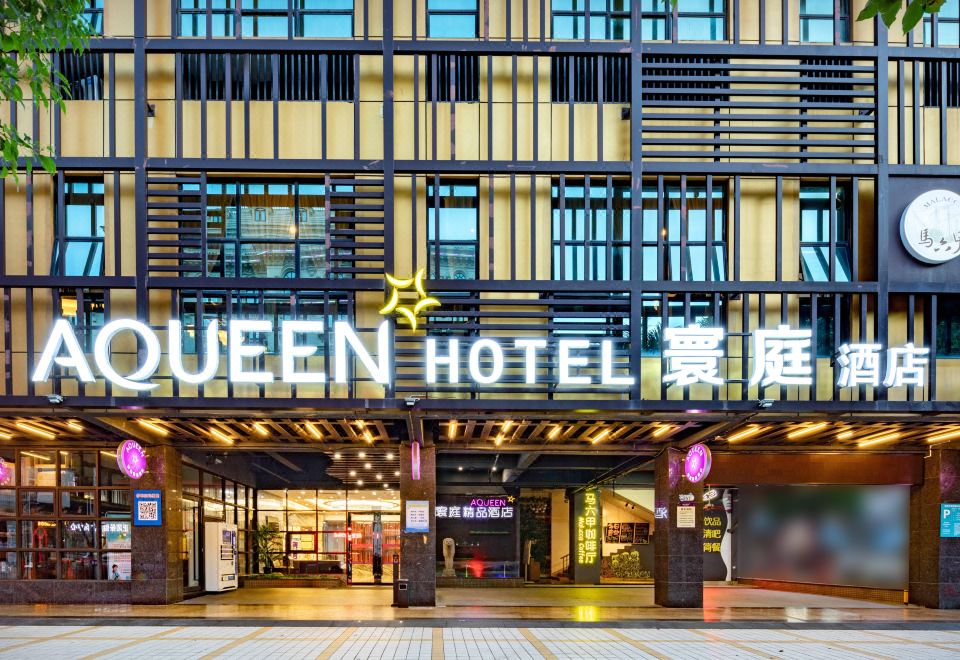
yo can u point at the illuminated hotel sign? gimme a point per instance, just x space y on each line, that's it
480 508
588 530
783 357
693 355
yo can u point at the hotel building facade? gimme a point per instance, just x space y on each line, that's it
602 291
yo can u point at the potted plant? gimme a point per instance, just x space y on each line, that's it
266 541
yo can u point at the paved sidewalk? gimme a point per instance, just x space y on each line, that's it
257 642
529 606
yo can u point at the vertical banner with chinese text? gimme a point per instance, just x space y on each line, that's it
585 539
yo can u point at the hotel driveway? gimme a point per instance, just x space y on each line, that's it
257 642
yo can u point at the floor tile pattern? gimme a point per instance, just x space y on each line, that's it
148 642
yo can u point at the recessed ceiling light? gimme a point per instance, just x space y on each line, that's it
493 469
366 466
390 456
336 456
362 454
396 473
459 468
359 482
353 473
379 477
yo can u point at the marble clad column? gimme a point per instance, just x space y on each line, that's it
678 552
157 570
935 561
418 552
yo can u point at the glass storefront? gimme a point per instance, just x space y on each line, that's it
331 532
64 515
208 497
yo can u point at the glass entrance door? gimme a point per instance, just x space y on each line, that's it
190 545
374 538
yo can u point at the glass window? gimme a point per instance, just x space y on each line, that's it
819 19
78 468
594 241
948 326
947 26
684 239
832 322
696 20
271 500
78 534
277 230
38 565
263 18
8 502
815 219
212 487
324 18
110 474
77 502
115 503
93 14
115 537
702 313
81 242
8 467
193 18
37 503
38 534
8 534
78 565
452 233
8 565
191 479
38 468
452 19
609 19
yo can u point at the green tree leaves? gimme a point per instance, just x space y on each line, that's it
888 10
30 30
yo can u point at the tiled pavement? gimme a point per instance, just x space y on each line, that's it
154 642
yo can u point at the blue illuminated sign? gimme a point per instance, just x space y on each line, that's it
949 521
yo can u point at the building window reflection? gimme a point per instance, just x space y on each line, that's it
694 20
78 246
609 19
815 232
453 248
691 238
820 20
593 240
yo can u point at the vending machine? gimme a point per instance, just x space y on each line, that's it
220 556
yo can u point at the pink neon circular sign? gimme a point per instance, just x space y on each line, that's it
131 459
696 466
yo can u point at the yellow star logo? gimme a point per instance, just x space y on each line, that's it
408 312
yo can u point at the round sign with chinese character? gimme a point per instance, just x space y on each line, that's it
131 459
930 227
696 466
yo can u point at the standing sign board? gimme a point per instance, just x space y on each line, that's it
418 517
949 521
